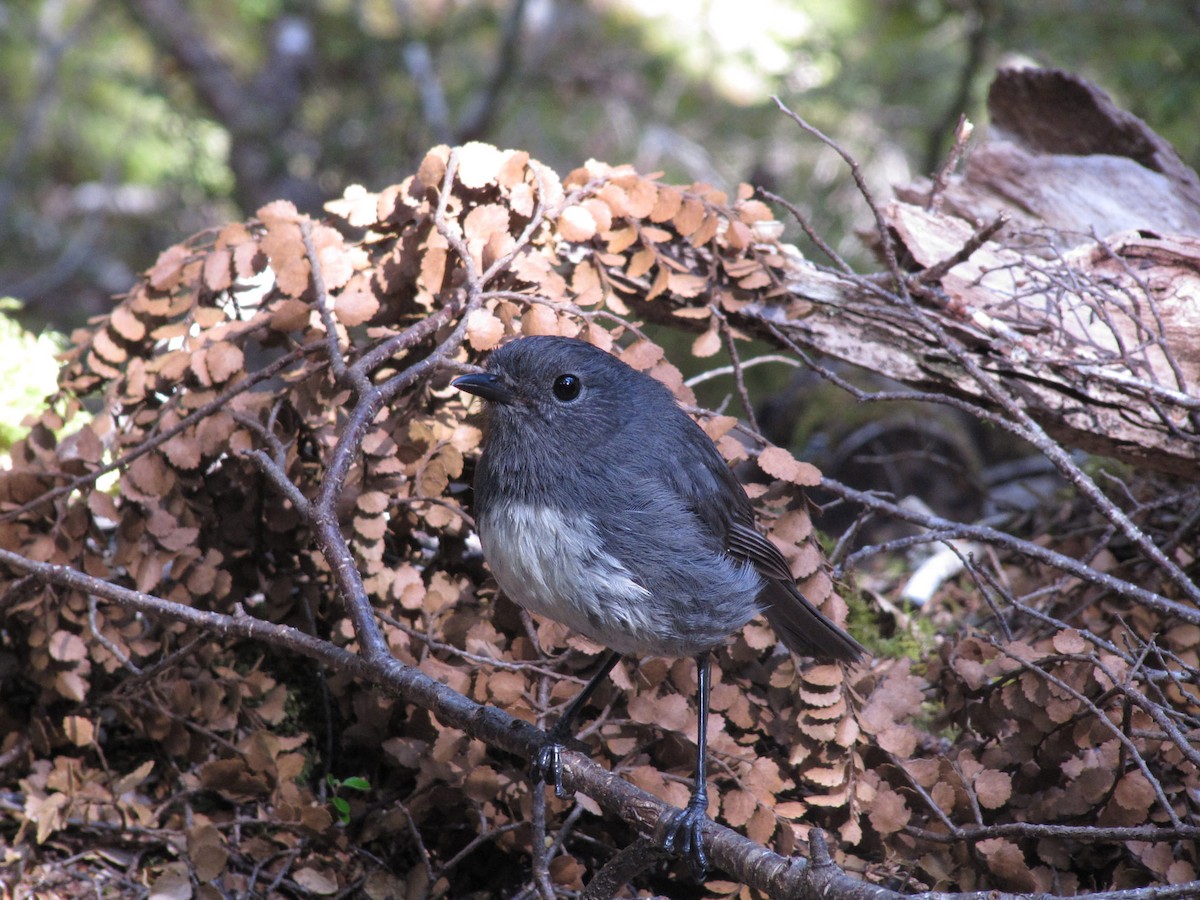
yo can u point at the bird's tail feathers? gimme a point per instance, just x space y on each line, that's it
804 629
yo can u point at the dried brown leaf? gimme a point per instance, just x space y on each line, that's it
168 268
709 343
278 211
206 849
621 240
1180 872
356 303
820 699
641 355
1070 642
497 247
539 319
292 274
373 502
899 740
792 526
232 779
1185 636
602 212
683 284
371 528
752 210
104 345
133 780
707 231
1007 862
945 796
80 730
779 463
889 813
182 451
484 330
514 168
433 269
764 780
72 685
666 204
568 872
847 731
103 507
66 646
738 235
126 323
690 216
179 539
924 772
479 164
823 675
482 784
484 221
320 881
441 671
205 317
613 197
993 788
290 314
762 825
756 280
576 224
173 883
1134 793
661 281
248 259
224 360
273 707
432 170
641 199
649 779
506 688
357 206
826 776
669 711
218 267
335 260
737 806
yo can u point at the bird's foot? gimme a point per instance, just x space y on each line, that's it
546 765
681 835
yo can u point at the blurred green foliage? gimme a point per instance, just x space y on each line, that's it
28 373
115 143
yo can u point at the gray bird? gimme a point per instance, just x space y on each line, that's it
602 505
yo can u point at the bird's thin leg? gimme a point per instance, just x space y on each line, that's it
547 762
682 829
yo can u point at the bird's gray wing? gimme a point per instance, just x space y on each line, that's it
715 495
800 625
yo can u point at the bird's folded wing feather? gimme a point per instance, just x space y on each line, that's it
716 496
745 542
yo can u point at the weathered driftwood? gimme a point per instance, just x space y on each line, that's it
1084 308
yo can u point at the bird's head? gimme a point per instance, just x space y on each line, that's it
556 389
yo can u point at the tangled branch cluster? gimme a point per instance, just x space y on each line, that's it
255 459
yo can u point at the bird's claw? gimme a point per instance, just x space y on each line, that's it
546 766
681 836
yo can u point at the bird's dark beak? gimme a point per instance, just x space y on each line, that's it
485 385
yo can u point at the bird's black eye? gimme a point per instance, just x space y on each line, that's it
566 387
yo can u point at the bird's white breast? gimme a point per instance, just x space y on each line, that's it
555 564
